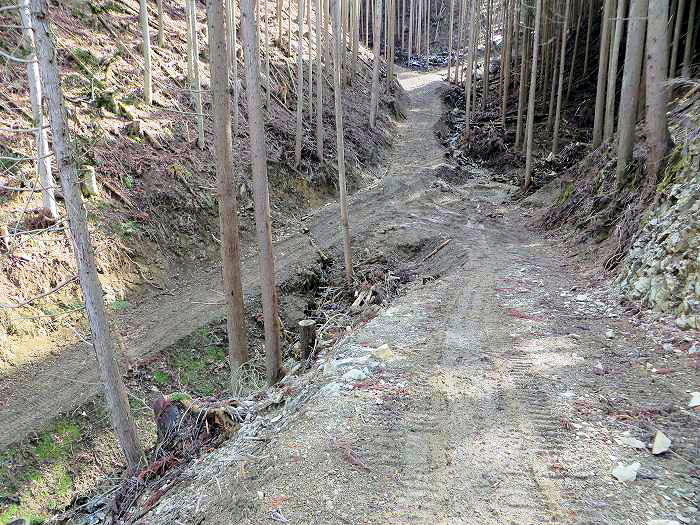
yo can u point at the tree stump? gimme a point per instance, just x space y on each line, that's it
307 337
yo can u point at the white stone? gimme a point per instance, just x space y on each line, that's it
626 473
663 522
355 374
630 441
694 400
661 443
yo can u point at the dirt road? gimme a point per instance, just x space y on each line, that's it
490 407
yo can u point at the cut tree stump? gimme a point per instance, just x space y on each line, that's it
307 337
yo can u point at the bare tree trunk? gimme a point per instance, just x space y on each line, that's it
687 56
376 39
634 52
102 340
339 133
487 56
460 37
143 20
410 31
550 113
602 75
564 37
190 65
161 29
609 126
43 162
449 42
403 24
427 28
505 68
531 102
258 150
658 137
522 94
300 83
469 74
197 87
226 185
588 37
319 85
233 58
573 56
677 38
266 25
419 32
355 35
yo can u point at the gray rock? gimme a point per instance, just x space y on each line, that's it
626 472
661 443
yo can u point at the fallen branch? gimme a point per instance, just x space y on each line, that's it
431 254
28 301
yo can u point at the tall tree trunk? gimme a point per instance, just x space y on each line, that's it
522 92
161 29
410 31
658 137
233 58
300 83
602 75
687 56
102 339
43 162
505 66
376 39
677 38
339 132
588 37
266 25
531 102
319 85
573 56
403 23
226 185
609 126
469 74
487 56
460 37
553 81
634 53
143 20
197 84
564 37
258 153
190 65
449 42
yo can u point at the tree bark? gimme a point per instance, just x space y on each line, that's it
161 29
102 340
197 87
531 102
634 53
190 66
319 85
232 32
300 83
522 92
609 126
258 150
339 133
43 162
487 57
410 31
602 75
573 56
376 39
143 20
658 137
557 118
470 66
449 42
687 56
226 185
588 37
677 38
505 67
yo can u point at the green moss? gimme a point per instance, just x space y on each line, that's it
58 443
160 377
566 193
120 305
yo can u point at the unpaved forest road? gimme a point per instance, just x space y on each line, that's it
489 412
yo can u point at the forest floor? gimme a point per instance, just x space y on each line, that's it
513 384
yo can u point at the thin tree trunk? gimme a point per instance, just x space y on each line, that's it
460 37
602 75
588 37
564 37
266 25
310 90
687 56
43 162
677 38
190 66
410 31
419 32
531 102
522 95
658 137
102 339
300 83
339 133
197 87
554 83
449 42
226 185
609 127
376 38
487 56
634 53
469 73
258 150
161 29
319 85
573 56
143 20
403 24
